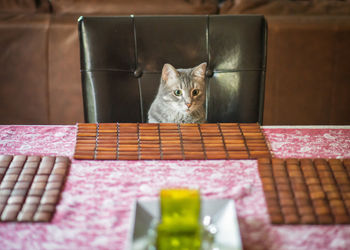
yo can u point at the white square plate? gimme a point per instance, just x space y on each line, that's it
221 211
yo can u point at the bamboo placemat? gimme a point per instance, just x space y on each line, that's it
30 187
166 141
306 191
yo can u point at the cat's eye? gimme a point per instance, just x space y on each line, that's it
195 92
177 92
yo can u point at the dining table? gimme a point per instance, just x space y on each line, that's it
95 210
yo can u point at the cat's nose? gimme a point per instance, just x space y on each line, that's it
188 105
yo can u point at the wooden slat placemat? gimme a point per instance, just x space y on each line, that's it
306 191
30 187
166 141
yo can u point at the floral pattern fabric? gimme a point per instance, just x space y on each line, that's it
96 203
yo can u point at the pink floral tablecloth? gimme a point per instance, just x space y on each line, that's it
96 205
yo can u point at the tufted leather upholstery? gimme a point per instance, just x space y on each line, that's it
122 58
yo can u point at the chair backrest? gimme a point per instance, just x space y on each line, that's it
122 58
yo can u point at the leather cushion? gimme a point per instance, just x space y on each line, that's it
64 80
127 7
286 7
307 77
24 67
24 6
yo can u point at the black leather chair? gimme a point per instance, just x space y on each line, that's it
122 58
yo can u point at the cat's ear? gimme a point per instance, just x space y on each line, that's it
169 72
199 71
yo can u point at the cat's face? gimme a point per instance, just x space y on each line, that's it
184 89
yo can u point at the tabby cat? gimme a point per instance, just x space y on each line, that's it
180 97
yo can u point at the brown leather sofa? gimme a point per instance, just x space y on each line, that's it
308 55
307 78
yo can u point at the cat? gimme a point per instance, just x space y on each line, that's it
180 97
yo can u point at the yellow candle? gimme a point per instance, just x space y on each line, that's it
179 227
